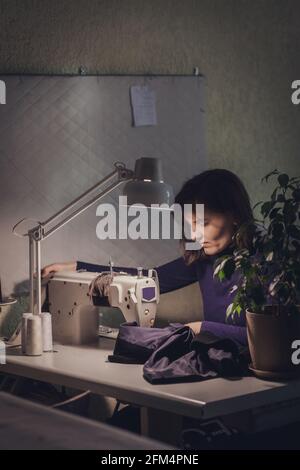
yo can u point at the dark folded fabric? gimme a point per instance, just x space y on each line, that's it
136 344
176 354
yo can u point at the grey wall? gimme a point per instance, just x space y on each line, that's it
59 136
248 49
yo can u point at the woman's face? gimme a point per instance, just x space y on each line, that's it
217 231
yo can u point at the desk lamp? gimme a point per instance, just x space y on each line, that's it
144 185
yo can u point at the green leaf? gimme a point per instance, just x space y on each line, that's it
274 213
266 207
294 232
219 264
270 256
233 289
229 268
257 204
289 212
257 295
275 284
229 310
295 179
274 172
273 197
296 194
283 180
238 309
277 229
296 244
280 198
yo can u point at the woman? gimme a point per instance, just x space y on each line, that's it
226 208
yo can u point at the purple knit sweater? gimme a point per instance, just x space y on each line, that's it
216 295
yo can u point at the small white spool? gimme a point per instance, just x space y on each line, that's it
34 339
25 317
47 331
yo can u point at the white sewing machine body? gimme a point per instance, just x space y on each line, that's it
136 296
75 318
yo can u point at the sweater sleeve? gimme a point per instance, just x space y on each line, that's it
171 276
222 330
98 268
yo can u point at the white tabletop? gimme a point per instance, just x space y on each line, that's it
27 425
86 367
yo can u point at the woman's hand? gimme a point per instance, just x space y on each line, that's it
195 326
56 267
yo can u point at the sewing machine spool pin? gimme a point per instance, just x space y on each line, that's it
111 265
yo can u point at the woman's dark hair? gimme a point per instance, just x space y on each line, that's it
220 191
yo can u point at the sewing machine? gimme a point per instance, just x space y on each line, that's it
75 316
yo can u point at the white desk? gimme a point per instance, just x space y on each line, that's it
86 367
27 425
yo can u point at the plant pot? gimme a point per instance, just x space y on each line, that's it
270 338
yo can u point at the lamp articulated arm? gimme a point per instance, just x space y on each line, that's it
44 229
145 182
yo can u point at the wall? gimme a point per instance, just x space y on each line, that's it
248 50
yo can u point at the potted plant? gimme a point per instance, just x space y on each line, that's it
268 289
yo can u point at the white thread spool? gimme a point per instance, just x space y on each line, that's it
34 339
25 317
47 331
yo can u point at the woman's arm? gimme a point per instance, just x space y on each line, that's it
237 333
222 330
56 267
195 326
171 276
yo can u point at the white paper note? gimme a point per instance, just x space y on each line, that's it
143 106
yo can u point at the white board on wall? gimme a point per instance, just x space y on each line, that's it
59 135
